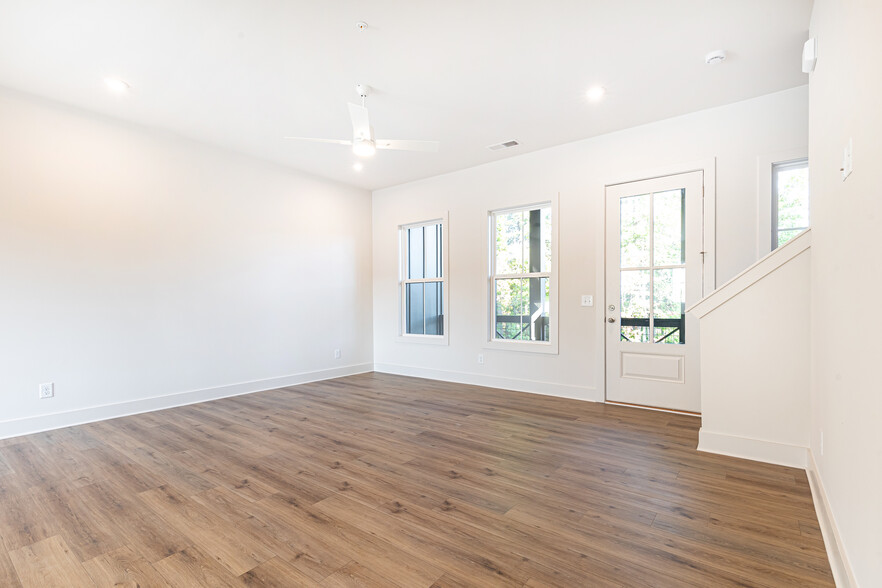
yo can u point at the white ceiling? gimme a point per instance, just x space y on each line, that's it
243 73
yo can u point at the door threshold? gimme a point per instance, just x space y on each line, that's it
656 408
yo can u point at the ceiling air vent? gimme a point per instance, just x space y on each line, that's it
505 145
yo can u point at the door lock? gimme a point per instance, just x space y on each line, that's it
611 307
610 320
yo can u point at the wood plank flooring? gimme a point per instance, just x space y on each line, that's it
380 480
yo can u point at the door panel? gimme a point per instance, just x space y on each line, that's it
653 272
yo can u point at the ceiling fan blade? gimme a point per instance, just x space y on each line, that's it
406 145
361 124
335 141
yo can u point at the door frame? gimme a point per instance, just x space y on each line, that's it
708 236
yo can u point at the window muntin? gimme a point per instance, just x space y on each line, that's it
520 274
790 200
423 280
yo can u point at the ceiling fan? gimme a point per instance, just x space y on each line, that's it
363 142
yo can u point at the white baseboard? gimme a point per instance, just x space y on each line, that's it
533 386
842 571
46 422
756 449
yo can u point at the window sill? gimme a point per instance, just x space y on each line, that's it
423 339
549 348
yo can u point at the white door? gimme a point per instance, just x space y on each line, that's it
653 273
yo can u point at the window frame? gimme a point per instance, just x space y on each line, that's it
550 346
403 281
764 196
777 166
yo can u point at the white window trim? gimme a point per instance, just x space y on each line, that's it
764 222
551 346
403 336
776 230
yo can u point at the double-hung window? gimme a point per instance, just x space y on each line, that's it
790 200
522 276
423 282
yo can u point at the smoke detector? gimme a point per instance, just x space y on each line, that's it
715 57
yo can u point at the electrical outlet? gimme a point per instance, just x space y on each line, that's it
587 300
481 358
337 354
47 390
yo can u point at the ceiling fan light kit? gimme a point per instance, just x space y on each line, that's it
363 147
363 142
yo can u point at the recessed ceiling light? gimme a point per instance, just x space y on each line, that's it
595 93
116 85
358 166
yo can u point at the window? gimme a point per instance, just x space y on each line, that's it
423 280
521 274
790 200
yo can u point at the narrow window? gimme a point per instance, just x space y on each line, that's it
790 200
423 280
520 274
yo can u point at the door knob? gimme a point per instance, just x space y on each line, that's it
610 320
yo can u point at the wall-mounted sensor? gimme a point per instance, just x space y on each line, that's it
715 57
809 55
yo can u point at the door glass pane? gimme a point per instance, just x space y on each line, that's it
635 305
415 253
669 300
634 215
669 305
414 310
669 231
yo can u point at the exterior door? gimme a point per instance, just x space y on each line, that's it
653 273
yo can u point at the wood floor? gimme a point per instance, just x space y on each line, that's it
378 480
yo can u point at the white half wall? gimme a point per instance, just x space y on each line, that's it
139 270
846 436
755 360
733 135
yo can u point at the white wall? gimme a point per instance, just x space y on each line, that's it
736 135
845 92
136 265
755 360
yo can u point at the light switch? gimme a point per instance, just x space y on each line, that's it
587 300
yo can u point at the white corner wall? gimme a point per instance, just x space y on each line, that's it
736 135
845 91
139 270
